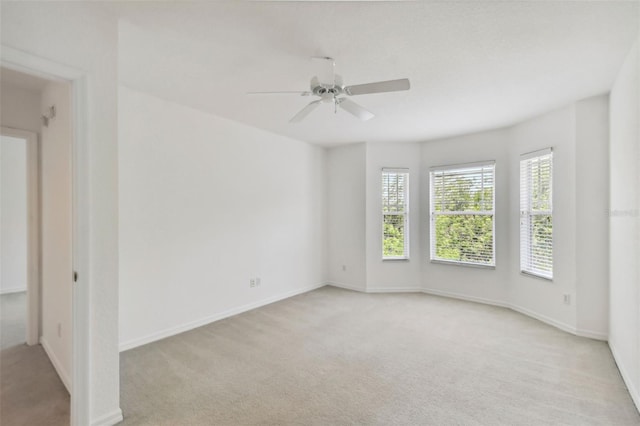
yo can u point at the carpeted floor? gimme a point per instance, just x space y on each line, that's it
31 393
335 357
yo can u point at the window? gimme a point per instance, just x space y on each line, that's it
462 214
536 214
395 211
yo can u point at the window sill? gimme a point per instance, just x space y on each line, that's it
532 275
468 265
395 259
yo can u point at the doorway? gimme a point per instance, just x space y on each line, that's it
34 65
19 238
37 247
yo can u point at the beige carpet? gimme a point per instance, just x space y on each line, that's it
335 357
31 393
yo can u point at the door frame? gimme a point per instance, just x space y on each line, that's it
33 230
81 316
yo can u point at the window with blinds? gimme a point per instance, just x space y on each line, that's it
462 214
395 213
536 213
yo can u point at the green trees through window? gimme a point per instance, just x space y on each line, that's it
467 238
462 206
393 239
536 213
462 214
395 204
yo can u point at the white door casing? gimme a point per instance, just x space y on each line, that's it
81 316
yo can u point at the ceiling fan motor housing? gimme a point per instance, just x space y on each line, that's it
323 91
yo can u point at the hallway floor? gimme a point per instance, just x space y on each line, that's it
31 393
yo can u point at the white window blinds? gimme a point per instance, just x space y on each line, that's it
536 213
462 213
395 212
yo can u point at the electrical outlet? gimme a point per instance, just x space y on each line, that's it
567 299
258 281
59 330
252 282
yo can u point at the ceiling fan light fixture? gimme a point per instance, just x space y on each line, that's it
327 85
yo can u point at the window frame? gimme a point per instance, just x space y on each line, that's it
404 213
433 214
525 266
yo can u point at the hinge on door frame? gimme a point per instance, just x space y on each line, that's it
75 276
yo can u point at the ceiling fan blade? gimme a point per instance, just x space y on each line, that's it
355 109
378 87
303 93
326 70
305 111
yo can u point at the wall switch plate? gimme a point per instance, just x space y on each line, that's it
566 299
344 267
257 281
59 330
252 282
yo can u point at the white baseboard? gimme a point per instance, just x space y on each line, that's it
64 376
133 343
633 391
437 292
13 290
597 335
376 290
545 319
394 290
130 344
110 419
345 286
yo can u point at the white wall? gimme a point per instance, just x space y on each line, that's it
579 137
206 204
592 220
536 296
624 254
13 215
56 231
347 242
20 108
483 284
84 36
393 275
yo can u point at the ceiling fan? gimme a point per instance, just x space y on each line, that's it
328 86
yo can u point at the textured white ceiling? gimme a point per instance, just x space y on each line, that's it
472 65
